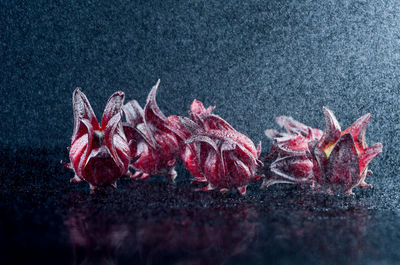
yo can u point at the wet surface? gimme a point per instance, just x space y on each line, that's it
46 220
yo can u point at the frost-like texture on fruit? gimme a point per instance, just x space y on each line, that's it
214 152
333 161
98 154
153 145
288 162
340 159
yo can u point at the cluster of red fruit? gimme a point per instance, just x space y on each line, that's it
211 149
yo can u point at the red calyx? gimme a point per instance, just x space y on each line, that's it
214 152
153 145
98 154
335 161
288 162
340 158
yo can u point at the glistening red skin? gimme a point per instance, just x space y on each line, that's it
98 154
288 162
334 161
214 152
153 145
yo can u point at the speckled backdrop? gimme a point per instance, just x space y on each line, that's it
252 59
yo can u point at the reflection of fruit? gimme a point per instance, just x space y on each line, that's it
95 240
186 236
208 236
332 235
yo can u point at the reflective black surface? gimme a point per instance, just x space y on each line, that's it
46 220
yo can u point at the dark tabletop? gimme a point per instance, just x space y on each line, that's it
254 61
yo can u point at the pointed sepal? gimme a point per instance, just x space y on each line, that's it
291 125
358 129
332 129
82 111
113 107
134 113
368 154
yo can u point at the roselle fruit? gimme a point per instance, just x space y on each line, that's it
340 158
188 153
154 147
335 161
288 162
214 152
98 154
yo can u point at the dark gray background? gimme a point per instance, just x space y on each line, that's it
254 60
